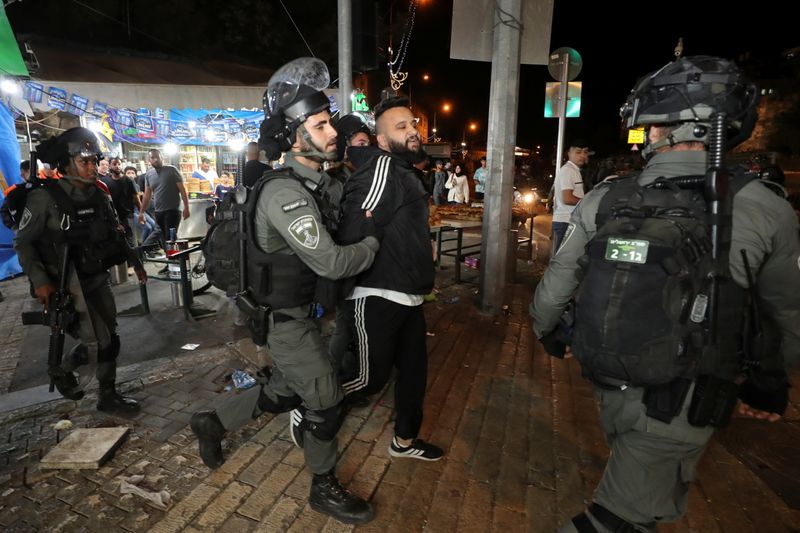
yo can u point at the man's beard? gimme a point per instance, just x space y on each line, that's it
308 145
407 154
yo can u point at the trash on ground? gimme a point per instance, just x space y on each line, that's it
242 380
61 425
160 499
190 346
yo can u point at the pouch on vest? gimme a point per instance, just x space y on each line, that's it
90 228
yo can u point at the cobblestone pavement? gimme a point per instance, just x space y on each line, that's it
523 451
17 300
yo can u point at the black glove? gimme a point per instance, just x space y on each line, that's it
552 345
772 401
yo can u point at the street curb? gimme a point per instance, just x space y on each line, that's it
38 400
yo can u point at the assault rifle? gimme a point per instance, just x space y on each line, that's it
719 212
58 315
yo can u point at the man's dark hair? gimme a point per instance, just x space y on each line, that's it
154 151
389 103
130 168
482 159
115 158
252 143
205 160
25 165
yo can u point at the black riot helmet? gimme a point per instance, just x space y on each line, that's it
686 93
293 94
57 151
346 127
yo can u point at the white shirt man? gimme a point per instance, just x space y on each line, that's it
568 189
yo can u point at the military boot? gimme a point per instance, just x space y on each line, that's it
209 432
109 400
330 498
65 383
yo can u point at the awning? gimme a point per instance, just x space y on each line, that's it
135 95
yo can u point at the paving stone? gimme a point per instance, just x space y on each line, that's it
280 517
223 506
163 452
264 496
101 510
235 464
140 520
179 516
238 524
263 464
308 520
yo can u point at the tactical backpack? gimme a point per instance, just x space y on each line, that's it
641 308
221 246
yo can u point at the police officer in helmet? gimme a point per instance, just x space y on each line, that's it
293 251
657 433
73 214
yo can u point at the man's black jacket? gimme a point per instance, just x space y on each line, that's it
391 188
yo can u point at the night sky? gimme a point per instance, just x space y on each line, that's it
619 42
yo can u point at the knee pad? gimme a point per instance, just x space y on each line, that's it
282 404
324 424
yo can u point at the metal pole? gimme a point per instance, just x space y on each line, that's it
345 57
502 137
562 109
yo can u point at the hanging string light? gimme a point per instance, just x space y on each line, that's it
395 64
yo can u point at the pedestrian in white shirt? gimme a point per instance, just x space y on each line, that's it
568 189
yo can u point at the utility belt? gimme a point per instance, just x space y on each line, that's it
259 316
712 403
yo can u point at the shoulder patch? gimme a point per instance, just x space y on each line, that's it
305 231
26 218
291 206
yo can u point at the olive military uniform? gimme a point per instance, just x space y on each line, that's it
94 301
288 221
651 463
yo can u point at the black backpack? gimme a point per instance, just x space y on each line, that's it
641 309
221 243
14 202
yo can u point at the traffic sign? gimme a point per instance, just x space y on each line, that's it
556 63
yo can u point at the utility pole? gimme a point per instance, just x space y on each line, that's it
502 138
345 57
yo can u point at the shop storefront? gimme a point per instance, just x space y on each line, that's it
129 129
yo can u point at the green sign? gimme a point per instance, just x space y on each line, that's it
359 100
551 98
11 63
627 250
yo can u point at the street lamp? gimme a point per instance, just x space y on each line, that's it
445 108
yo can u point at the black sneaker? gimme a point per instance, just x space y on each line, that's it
330 498
419 449
296 426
